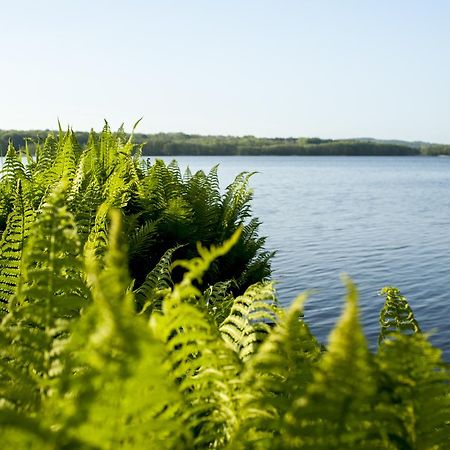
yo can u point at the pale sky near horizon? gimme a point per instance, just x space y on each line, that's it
343 68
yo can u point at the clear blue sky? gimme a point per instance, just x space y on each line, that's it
268 68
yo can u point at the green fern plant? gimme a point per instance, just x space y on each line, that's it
158 282
251 317
12 244
414 382
277 375
162 209
336 410
396 314
49 295
201 363
12 168
123 395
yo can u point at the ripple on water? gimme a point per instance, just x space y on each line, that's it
381 220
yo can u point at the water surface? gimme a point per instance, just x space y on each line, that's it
381 220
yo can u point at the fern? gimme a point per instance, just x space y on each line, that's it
49 295
275 377
120 392
200 361
17 231
142 238
414 383
396 314
12 169
218 300
84 206
205 202
97 240
64 164
6 205
236 200
414 392
45 155
250 320
335 412
158 281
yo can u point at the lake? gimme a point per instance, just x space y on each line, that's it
381 220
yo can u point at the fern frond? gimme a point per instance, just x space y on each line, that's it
396 315
121 392
7 195
335 412
142 237
218 300
45 155
236 200
12 169
156 284
277 375
84 207
18 228
203 366
78 178
250 320
49 296
414 382
65 162
196 267
205 201
97 240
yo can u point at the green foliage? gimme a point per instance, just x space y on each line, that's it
184 210
414 383
396 315
335 411
414 390
277 374
12 168
162 209
250 319
18 228
106 343
50 293
123 395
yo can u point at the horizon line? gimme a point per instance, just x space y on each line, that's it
359 138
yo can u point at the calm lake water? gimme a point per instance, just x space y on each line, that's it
383 221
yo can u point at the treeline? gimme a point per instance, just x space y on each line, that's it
177 144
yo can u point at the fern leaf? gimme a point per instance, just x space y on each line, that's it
414 391
65 162
203 366
157 282
277 375
49 295
12 245
12 168
249 320
218 300
335 412
122 396
396 315
46 155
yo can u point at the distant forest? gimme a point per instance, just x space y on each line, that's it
177 144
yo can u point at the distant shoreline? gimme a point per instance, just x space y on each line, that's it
181 144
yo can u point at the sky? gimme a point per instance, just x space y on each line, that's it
330 69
